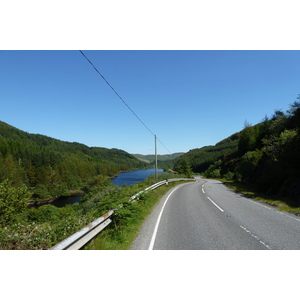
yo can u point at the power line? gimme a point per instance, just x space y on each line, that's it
122 99
163 145
116 93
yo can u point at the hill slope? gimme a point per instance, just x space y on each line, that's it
200 159
50 167
150 158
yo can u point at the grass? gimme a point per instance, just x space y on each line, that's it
121 236
281 203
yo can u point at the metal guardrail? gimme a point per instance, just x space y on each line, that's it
83 236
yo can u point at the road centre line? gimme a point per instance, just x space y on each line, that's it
158 220
257 238
215 204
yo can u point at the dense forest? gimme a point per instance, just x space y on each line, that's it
50 168
200 159
265 156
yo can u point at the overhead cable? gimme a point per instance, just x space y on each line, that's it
116 93
121 98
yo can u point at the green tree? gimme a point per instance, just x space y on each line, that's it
247 139
248 164
277 146
13 200
214 170
186 169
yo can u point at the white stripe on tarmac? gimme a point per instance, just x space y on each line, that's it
215 204
158 220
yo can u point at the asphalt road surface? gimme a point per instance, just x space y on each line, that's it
206 215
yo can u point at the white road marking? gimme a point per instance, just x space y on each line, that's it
215 204
158 220
285 214
255 202
271 208
203 191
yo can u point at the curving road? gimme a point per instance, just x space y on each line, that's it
206 215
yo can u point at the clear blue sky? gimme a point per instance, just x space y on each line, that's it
190 99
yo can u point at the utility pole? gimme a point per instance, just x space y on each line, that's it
156 178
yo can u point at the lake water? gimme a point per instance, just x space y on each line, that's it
130 178
127 178
63 201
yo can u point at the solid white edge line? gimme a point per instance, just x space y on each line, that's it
215 204
158 220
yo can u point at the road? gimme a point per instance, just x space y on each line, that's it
206 215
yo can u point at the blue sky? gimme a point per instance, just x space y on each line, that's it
189 99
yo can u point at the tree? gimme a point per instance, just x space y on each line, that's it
247 165
214 170
13 200
247 140
186 169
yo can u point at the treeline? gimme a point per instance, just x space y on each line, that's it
50 167
265 156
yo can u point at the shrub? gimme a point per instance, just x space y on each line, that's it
229 176
13 200
248 163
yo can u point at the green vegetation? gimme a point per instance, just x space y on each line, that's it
128 220
264 157
164 161
201 159
44 227
160 158
12 200
50 168
185 168
34 167
282 203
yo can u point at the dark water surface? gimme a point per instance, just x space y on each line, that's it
63 201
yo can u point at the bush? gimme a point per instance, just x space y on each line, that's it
214 170
248 163
229 176
13 200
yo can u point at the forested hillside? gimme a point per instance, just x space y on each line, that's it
150 158
50 167
200 159
265 156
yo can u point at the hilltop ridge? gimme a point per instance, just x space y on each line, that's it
150 158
